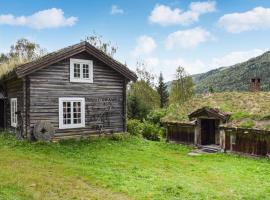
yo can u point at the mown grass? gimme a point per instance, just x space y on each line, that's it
243 106
125 168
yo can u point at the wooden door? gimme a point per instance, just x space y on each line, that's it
207 131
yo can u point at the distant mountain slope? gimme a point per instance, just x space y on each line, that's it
236 77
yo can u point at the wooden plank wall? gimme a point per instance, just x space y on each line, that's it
181 133
253 142
51 83
14 88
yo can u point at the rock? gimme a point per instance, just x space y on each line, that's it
194 154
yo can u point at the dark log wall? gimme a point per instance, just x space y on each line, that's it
180 133
248 141
49 84
14 89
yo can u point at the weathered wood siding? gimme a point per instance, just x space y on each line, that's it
49 84
248 141
182 133
14 89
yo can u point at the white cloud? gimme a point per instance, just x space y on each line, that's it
145 45
255 19
189 38
152 62
115 10
168 66
51 18
235 57
192 67
165 15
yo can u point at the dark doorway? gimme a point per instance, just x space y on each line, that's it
2 114
208 131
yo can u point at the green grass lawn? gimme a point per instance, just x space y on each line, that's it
129 168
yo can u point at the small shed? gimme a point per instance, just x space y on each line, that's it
207 125
210 127
202 129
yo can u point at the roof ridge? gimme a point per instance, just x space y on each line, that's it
27 68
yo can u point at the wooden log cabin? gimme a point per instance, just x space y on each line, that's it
78 90
209 127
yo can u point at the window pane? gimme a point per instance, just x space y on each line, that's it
85 71
66 113
76 112
77 72
71 113
13 110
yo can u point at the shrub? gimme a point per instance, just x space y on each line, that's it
134 127
155 116
119 137
146 129
151 131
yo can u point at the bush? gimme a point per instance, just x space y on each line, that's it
146 129
134 127
119 137
155 116
151 131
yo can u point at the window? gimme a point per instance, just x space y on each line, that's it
81 71
71 113
13 112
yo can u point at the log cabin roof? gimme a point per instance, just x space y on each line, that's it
246 109
209 113
51 58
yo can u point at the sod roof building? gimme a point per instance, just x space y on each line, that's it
231 121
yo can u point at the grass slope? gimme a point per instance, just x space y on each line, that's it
245 107
130 168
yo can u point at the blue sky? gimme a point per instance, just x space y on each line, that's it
198 35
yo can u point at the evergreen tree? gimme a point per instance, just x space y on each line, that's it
211 89
162 91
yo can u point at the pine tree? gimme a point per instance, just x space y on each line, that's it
162 91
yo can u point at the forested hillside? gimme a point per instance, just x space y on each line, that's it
236 77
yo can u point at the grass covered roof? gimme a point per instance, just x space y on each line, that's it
247 109
9 66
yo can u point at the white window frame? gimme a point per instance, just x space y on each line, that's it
13 110
71 99
81 62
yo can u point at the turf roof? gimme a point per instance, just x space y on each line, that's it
247 109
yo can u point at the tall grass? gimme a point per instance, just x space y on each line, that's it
10 65
241 105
